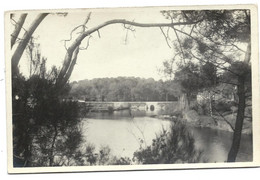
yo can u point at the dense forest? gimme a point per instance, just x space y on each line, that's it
125 89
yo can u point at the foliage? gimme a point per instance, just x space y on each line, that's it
169 147
124 89
189 78
44 127
101 157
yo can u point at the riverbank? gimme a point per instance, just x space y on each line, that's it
225 123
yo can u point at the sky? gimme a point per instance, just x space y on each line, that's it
111 55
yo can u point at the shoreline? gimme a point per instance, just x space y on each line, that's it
209 122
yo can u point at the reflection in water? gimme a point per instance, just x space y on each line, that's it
123 135
216 144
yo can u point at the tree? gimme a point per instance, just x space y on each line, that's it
218 39
189 79
170 147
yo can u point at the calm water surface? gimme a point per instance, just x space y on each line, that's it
123 134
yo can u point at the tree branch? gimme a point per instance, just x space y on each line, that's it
70 69
198 41
183 57
192 29
216 64
231 126
228 83
74 29
79 39
165 36
85 48
17 29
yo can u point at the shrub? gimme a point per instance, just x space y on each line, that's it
169 147
110 109
102 157
46 129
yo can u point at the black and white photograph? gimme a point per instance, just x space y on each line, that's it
132 88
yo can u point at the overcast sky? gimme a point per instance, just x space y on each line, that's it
110 55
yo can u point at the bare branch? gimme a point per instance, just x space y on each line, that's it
165 36
130 28
15 22
126 35
71 34
88 18
83 35
183 57
77 27
192 29
231 126
98 34
85 48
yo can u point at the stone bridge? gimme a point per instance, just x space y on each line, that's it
143 106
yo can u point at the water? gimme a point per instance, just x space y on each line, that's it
124 134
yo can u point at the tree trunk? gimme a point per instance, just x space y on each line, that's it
25 39
210 104
184 104
63 80
239 120
241 110
17 29
51 156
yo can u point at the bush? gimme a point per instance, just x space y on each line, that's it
110 109
102 157
175 146
46 129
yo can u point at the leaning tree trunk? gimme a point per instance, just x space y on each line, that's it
25 39
17 29
239 120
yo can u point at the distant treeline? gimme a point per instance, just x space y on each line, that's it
124 89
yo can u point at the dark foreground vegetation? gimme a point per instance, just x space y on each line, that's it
46 130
